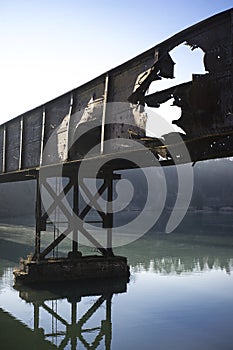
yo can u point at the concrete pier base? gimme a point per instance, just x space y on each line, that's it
67 269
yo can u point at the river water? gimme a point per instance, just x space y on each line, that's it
179 296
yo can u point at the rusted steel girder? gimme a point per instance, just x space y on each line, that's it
81 119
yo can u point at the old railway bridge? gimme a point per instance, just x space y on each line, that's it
102 125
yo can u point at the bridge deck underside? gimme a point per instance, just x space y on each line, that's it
199 149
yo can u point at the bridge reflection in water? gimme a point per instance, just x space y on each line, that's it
90 321
73 316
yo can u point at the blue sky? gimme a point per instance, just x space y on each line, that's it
50 47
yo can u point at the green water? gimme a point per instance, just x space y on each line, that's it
180 295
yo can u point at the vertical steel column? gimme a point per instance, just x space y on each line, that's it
68 125
42 135
36 315
75 211
108 329
38 219
104 115
109 214
21 143
73 335
4 150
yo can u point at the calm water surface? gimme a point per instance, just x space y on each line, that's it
180 295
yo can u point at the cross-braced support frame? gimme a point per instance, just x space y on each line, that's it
74 218
76 330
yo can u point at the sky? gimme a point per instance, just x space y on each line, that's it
51 47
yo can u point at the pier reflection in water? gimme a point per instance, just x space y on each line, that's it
90 326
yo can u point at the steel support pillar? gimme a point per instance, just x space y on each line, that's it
75 212
109 217
38 214
75 226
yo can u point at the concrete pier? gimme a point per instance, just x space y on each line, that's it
67 269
